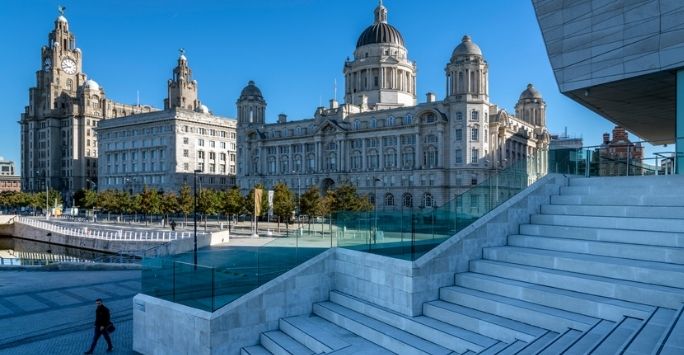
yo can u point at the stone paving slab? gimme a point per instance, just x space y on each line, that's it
53 312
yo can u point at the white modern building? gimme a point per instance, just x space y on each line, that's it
163 149
382 140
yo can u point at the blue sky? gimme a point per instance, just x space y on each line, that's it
294 50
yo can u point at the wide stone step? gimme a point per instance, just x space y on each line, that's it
644 224
626 269
645 341
280 343
619 250
675 181
617 200
576 302
590 338
254 350
318 334
390 338
620 334
492 350
643 190
615 211
605 234
654 295
490 325
541 342
431 329
562 342
531 313
672 341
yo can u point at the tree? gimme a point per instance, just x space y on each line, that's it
207 203
185 201
283 203
232 202
150 202
108 201
345 198
310 204
168 204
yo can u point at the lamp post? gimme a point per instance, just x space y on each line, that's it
194 253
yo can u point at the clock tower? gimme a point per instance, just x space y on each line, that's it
57 136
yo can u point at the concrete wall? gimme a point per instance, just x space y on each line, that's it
239 323
24 231
163 327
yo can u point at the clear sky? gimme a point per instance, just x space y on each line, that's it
293 49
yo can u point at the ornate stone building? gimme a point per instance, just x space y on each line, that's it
58 140
384 142
619 156
162 149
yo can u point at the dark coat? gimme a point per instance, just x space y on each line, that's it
101 316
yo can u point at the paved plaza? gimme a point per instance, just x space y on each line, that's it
52 312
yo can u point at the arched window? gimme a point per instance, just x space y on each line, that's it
428 117
409 119
461 82
356 160
407 200
298 163
331 161
357 124
284 165
389 199
69 84
374 123
427 199
311 162
430 158
390 158
407 158
373 159
255 166
390 121
271 165
371 198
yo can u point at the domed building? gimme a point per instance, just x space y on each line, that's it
401 152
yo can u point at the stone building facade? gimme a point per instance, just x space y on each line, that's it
385 143
162 149
58 139
9 181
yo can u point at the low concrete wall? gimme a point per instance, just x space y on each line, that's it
20 230
157 327
163 327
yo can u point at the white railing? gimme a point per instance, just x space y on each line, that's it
118 235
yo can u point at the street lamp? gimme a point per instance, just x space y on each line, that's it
194 254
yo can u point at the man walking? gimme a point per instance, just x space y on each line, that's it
101 323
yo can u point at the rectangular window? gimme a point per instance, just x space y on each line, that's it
474 134
458 135
200 142
458 156
186 153
186 140
475 152
186 166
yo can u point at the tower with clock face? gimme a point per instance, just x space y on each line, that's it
57 127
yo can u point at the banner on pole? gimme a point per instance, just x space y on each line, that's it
257 201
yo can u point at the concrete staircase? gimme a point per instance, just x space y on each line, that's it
600 270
